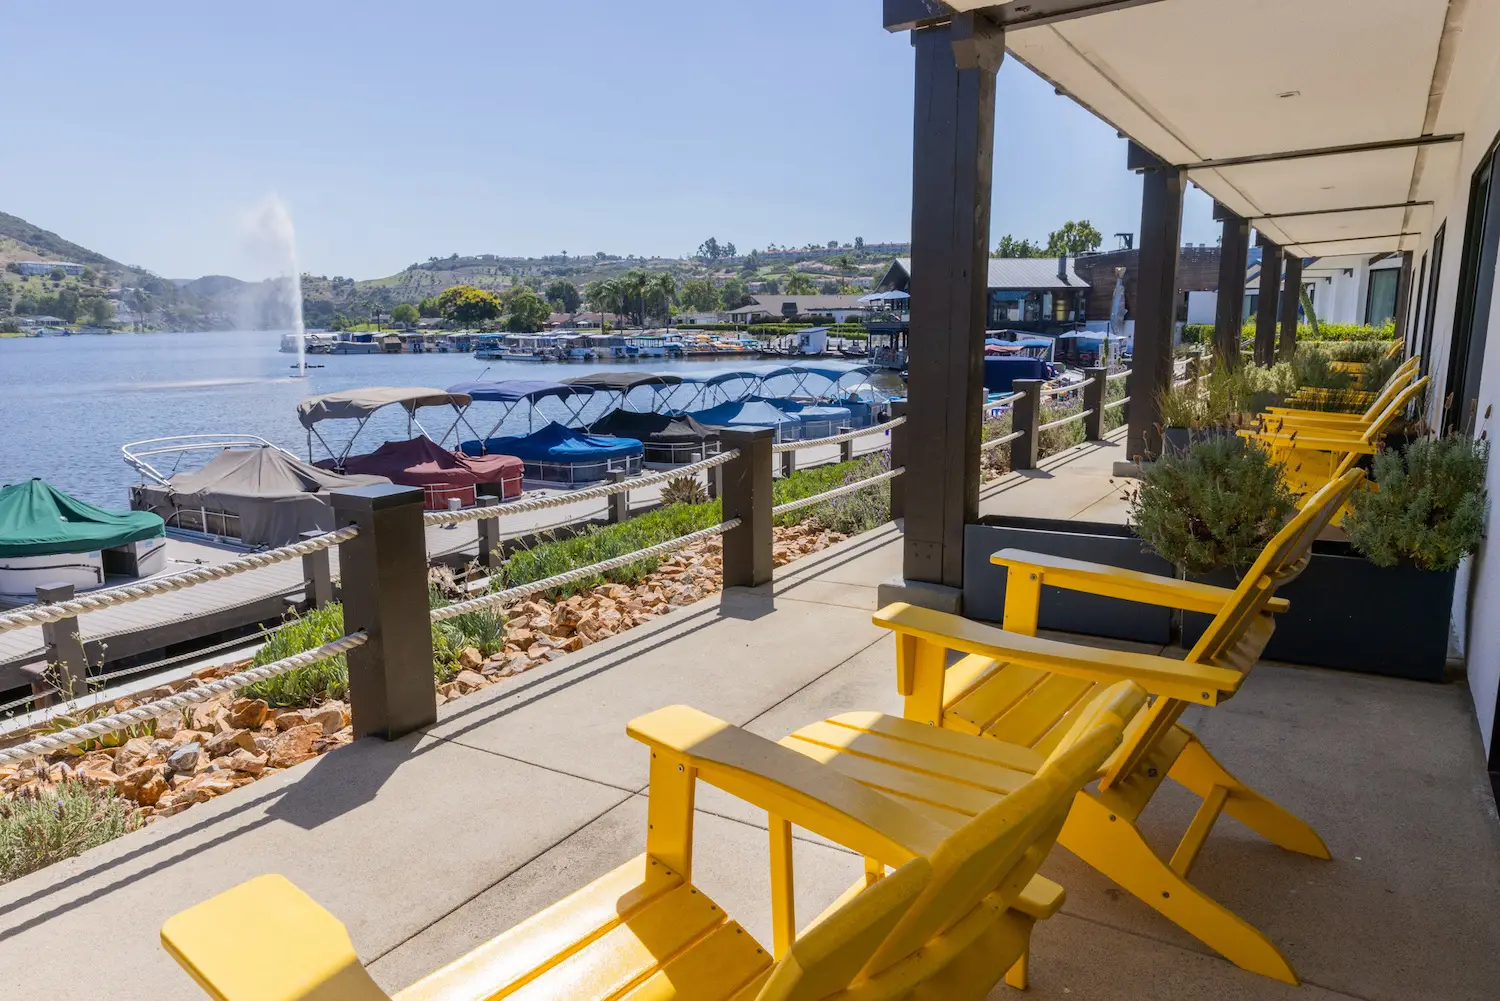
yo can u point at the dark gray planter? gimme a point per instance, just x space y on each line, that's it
1347 613
1115 545
1177 441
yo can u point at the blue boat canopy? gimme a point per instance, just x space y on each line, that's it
559 444
746 413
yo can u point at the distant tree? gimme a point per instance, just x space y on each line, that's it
633 294
429 308
67 305
751 263
58 274
98 311
339 322
525 310
770 287
25 305
468 306
710 251
404 313
1074 238
829 286
799 284
1011 247
699 295
90 275
606 296
859 243
729 250
732 294
661 290
10 325
833 245
844 263
564 295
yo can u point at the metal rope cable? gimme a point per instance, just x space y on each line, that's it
1002 440
792 446
562 500
47 743
36 615
1065 420
496 598
29 698
847 488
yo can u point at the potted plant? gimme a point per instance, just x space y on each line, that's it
1209 407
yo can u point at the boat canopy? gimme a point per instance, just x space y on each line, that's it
556 443
657 428
358 404
746 413
37 519
422 462
622 382
515 390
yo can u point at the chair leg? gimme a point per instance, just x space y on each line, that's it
1019 975
1114 845
1200 772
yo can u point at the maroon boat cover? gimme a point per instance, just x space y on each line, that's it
423 462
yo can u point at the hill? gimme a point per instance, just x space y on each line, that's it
24 241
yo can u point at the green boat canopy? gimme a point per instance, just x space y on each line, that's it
38 520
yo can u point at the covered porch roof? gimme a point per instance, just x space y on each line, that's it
1255 99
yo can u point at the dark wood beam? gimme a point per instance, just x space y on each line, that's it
1356 208
952 170
1291 301
1162 187
904 15
1035 13
1403 291
1306 154
1266 303
1229 316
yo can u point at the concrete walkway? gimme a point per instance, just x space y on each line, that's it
524 792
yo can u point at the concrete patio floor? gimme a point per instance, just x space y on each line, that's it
526 791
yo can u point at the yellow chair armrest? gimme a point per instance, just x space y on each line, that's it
1322 443
1041 898
266 940
789 785
1198 683
1117 582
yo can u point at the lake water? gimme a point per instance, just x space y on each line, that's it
67 404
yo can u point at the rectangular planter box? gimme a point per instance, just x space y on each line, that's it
1349 614
1115 545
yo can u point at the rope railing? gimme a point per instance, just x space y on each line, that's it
1005 439
36 615
1005 400
1071 387
1118 375
838 439
1117 403
497 598
114 723
829 495
574 497
1064 420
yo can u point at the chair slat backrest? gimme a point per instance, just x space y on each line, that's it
1243 627
1393 410
1393 385
992 856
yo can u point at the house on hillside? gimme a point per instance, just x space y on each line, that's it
1038 294
47 267
780 308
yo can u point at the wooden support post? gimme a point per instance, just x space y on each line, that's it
1229 315
899 441
846 448
1094 396
1156 298
317 575
64 645
747 496
1025 415
1291 302
384 573
1267 302
489 536
788 462
1193 369
1403 295
952 166
619 504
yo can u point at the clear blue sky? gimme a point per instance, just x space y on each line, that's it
395 132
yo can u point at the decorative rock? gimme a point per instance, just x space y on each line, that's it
248 713
185 759
145 785
468 681
225 743
245 761
470 659
294 746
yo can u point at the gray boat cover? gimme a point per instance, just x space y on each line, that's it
357 403
276 497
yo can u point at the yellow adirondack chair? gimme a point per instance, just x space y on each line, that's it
1311 455
1293 418
953 918
1358 368
978 729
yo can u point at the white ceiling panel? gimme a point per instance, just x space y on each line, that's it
1342 225
1347 180
1362 247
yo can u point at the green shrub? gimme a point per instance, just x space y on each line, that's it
1059 439
684 490
1215 506
850 514
1428 508
996 461
1360 351
328 679
1314 370
38 830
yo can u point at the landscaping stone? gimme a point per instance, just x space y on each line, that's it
185 759
248 713
294 745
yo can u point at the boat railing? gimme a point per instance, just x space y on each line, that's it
136 452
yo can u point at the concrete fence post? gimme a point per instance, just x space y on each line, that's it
747 495
1025 415
64 644
846 448
898 460
788 462
317 574
384 571
1094 396
715 478
489 536
619 504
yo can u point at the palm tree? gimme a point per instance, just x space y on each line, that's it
633 290
606 296
799 284
662 289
